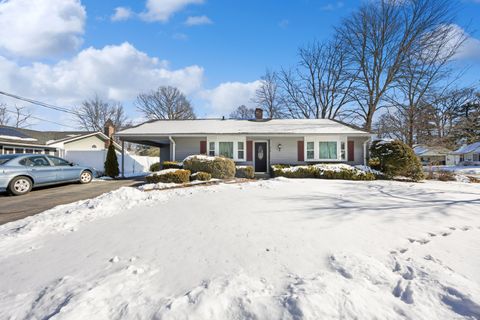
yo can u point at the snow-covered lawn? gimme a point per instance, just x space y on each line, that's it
473 170
277 249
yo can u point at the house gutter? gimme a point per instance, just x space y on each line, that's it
172 156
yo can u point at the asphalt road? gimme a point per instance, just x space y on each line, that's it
38 200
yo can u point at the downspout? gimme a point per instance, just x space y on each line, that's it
123 159
365 150
172 156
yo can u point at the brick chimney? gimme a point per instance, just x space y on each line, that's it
109 131
258 114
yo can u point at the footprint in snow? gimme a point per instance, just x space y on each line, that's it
452 228
466 228
445 234
403 250
432 234
409 274
406 295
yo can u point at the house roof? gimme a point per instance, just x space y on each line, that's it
422 150
28 137
473 147
34 137
230 126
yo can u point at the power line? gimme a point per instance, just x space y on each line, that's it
41 119
39 103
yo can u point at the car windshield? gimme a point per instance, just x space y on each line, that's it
5 158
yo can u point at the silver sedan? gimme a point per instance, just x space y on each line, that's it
19 173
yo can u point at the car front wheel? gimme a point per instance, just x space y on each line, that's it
86 177
20 186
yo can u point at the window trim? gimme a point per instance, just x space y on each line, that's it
316 145
230 139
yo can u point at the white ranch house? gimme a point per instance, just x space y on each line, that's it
258 142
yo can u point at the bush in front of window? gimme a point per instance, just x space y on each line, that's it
200 176
172 165
395 158
245 172
342 172
218 167
155 167
300 172
169 176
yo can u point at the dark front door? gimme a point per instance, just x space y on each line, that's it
260 157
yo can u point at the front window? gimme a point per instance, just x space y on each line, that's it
328 150
241 150
211 149
225 149
310 150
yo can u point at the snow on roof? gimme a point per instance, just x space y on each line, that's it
474 147
422 150
17 138
218 126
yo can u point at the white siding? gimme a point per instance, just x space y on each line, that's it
358 155
287 154
86 144
185 147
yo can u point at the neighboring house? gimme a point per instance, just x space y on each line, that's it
434 155
18 140
469 153
258 142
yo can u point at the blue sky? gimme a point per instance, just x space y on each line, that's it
217 59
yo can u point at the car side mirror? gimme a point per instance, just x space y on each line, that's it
72 164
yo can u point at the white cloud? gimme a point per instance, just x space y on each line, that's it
162 10
226 97
117 72
198 20
470 49
41 28
121 14
332 6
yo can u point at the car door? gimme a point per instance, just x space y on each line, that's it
42 171
67 172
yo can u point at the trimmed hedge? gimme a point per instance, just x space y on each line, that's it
218 167
201 176
246 172
171 176
171 165
344 172
395 158
155 167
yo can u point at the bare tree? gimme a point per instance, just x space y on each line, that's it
423 70
4 115
19 118
243 112
447 114
381 35
94 113
319 87
165 103
267 96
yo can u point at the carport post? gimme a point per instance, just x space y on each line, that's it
123 159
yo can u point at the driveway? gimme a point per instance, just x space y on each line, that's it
39 200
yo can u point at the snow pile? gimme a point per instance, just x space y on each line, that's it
162 172
200 157
277 249
165 186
